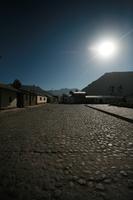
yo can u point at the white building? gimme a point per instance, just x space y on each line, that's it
41 99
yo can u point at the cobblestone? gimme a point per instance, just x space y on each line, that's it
65 152
100 186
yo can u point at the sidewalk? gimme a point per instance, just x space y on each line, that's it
20 109
119 112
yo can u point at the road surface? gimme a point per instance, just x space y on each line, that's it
65 152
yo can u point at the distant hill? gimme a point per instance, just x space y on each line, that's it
115 83
61 91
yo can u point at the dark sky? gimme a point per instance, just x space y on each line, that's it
46 42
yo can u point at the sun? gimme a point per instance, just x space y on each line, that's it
106 49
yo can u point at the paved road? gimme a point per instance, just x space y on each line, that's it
65 152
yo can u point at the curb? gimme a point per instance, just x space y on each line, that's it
20 109
112 114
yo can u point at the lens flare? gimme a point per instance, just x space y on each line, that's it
106 49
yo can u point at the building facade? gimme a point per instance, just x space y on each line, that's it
77 97
90 99
8 97
36 94
41 99
26 98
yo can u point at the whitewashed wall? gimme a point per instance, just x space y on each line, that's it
41 99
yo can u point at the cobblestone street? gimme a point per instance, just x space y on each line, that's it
65 152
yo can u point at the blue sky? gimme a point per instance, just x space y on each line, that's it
46 42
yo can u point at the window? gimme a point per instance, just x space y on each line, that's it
44 98
40 98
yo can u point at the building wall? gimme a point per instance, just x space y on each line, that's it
8 99
41 99
78 99
26 99
33 99
103 100
93 100
129 100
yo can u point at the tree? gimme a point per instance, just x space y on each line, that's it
17 84
71 92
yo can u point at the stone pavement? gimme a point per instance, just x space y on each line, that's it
125 113
65 152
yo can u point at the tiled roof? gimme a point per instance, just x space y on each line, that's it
7 87
35 89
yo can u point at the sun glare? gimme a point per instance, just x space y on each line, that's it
106 49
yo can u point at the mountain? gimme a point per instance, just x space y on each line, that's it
113 83
61 91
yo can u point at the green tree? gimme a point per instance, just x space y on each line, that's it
71 92
17 84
